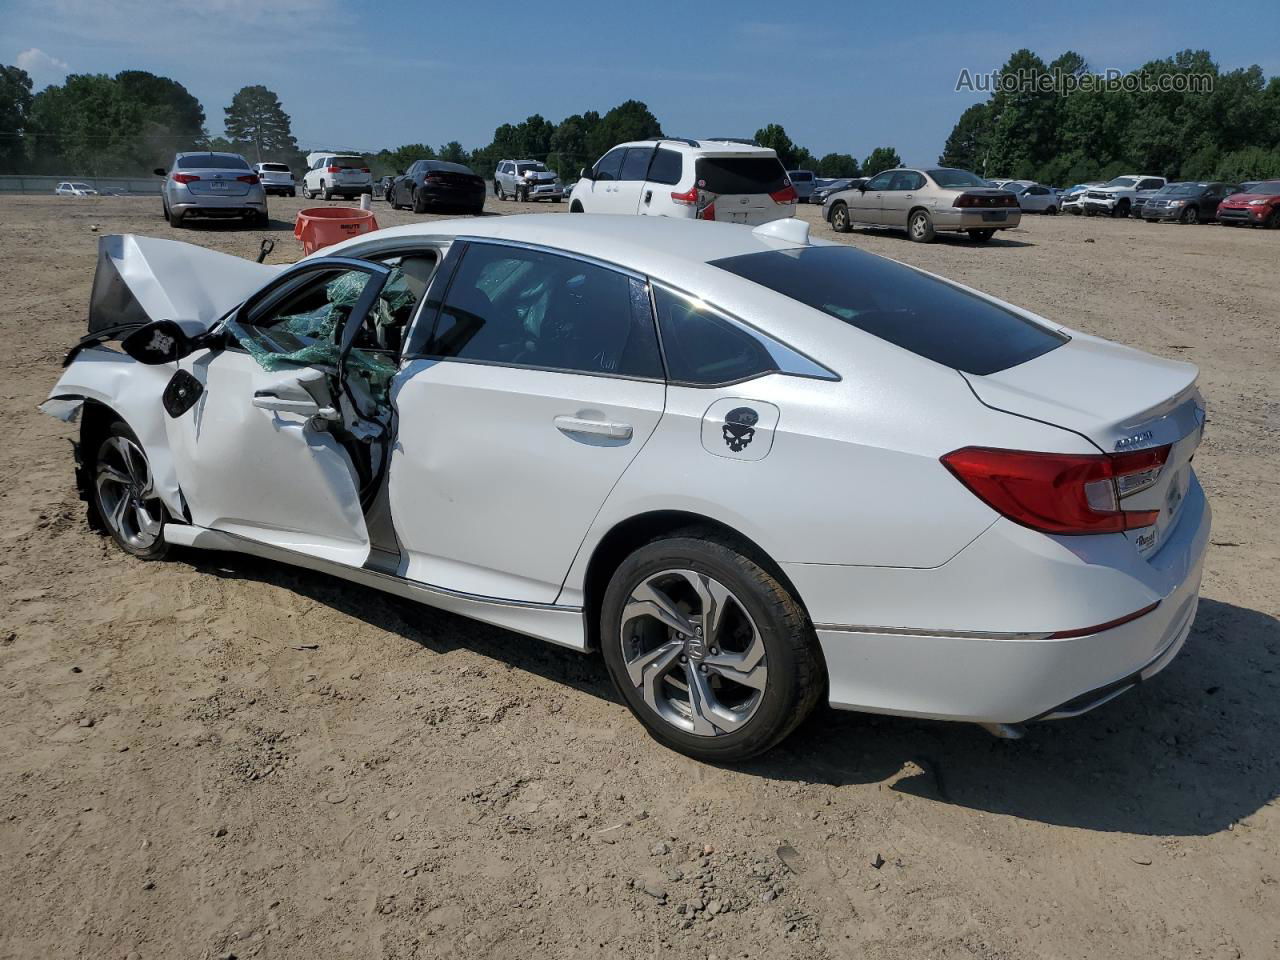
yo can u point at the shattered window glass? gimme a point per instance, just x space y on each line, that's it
304 329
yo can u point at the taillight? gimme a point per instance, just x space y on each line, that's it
185 178
689 198
332 169
1060 492
985 200
364 169
248 178
786 195
708 212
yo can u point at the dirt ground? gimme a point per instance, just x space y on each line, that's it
218 756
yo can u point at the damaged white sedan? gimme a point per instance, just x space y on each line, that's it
754 471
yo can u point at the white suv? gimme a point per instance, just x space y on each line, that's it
276 178
335 174
725 180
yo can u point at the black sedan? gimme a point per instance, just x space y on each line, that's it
1187 202
436 183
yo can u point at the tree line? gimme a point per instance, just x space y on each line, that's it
130 123
1052 127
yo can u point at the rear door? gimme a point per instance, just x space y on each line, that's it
523 400
665 172
741 186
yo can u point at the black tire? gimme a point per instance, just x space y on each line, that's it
840 222
325 192
103 449
1120 210
1190 215
164 207
1273 222
478 211
419 202
497 190
576 207
981 236
920 227
293 192
555 199
261 219
175 218
501 191
1052 211
795 674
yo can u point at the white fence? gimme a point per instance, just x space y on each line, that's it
128 185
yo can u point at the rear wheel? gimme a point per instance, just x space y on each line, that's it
840 218
325 191
708 649
981 236
175 218
1052 211
576 207
124 497
1190 215
261 219
920 227
419 202
293 192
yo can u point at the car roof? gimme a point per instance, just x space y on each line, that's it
706 145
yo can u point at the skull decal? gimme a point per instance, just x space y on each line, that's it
160 343
740 427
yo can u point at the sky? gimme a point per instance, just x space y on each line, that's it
839 77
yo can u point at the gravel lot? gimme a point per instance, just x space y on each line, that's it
218 756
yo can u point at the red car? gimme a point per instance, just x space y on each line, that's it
1259 207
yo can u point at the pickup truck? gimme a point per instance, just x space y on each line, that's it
1122 196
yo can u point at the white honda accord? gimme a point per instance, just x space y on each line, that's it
753 470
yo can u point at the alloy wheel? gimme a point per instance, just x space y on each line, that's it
693 652
126 495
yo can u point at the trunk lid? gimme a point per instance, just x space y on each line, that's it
218 183
1122 400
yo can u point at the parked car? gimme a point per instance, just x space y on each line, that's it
803 181
1072 199
1033 197
1188 202
276 178
526 180
637 436
925 202
828 187
220 185
1121 196
382 187
332 175
1248 185
689 179
436 183
1260 207
74 188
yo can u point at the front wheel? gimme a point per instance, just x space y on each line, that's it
1120 210
1190 215
124 497
840 218
708 649
920 227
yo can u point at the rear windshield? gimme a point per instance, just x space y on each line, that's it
444 166
212 161
948 177
275 167
347 163
801 175
740 174
925 315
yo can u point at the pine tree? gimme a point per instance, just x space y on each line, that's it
257 123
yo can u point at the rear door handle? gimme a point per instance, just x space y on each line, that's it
648 195
601 428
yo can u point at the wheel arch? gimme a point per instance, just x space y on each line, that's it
628 535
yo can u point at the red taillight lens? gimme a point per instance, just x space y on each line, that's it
1060 493
364 169
332 169
985 200
185 178
248 178
786 195
688 198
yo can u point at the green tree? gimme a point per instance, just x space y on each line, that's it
256 121
569 144
452 152
15 108
838 165
881 158
774 136
966 147
631 120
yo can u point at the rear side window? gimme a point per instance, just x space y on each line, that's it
527 308
705 348
922 314
666 167
740 174
636 163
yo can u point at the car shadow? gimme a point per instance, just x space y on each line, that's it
229 225
951 239
1189 753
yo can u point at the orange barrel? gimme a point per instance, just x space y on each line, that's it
319 227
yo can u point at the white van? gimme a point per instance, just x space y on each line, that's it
726 180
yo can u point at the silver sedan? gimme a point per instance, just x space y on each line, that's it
212 185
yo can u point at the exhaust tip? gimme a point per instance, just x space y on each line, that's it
1005 731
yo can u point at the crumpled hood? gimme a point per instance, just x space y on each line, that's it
140 279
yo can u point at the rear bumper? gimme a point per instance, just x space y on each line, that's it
1027 586
446 197
212 206
953 218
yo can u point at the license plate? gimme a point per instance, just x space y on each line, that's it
218 185
994 215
